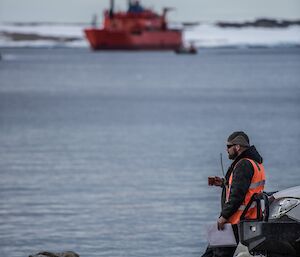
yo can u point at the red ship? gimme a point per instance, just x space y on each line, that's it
136 29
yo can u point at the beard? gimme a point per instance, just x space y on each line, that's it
233 155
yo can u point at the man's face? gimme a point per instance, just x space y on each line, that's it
232 152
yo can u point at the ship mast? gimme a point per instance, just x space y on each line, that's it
112 7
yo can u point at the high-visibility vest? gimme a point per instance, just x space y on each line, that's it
256 186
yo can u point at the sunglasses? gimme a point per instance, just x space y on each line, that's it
229 146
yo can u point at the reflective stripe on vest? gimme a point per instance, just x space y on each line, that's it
256 186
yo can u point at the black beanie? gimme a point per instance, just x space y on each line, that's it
238 138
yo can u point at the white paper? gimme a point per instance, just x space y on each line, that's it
217 237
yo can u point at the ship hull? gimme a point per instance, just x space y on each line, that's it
102 39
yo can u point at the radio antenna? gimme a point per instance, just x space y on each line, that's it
222 167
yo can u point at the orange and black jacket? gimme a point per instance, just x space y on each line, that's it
242 172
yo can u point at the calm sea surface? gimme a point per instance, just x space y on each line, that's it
107 154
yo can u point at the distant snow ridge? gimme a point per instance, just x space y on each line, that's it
213 36
203 35
42 35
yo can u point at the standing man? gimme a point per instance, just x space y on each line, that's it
245 177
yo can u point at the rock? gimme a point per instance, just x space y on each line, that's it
260 23
50 254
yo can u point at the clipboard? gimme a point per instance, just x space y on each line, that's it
220 238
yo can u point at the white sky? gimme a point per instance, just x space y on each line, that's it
186 10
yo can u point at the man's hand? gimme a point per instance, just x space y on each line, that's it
221 222
215 181
219 181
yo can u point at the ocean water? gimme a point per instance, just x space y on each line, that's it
107 154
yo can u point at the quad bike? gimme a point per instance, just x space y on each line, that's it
276 231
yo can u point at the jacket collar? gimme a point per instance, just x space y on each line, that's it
250 153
